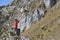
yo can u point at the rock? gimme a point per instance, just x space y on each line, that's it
3 38
52 39
22 9
10 38
49 3
35 16
26 20
18 9
41 11
24 38
4 9
24 1
57 21
10 8
38 14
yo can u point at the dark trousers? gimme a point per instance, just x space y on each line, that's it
17 32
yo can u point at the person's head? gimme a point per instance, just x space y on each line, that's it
15 20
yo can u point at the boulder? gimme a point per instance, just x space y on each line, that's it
49 3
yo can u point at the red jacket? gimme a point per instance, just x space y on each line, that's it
15 24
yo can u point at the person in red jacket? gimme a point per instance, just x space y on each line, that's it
17 31
16 24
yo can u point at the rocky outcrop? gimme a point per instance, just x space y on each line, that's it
26 20
49 3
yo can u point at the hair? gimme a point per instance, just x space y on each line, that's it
15 19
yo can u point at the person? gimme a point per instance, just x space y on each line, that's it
16 27
16 24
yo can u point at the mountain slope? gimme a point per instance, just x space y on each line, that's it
47 26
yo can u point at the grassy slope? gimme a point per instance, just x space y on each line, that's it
35 32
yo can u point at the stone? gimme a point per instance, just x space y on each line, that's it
24 38
10 8
22 9
49 3
24 1
35 16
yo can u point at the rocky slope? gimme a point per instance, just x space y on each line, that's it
48 27
29 12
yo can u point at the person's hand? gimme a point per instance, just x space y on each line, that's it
18 21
